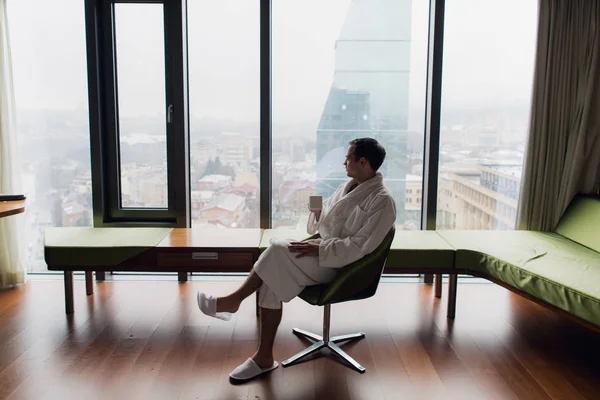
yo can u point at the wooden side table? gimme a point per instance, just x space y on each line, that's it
12 207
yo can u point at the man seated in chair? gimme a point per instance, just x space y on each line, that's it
352 223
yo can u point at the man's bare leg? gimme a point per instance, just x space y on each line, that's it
231 303
269 322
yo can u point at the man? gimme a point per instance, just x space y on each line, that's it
353 223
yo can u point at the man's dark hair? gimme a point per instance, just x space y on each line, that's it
370 149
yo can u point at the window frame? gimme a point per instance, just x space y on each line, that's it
104 136
103 110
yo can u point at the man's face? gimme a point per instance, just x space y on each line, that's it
350 163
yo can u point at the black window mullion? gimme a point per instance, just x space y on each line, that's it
178 154
111 114
433 107
93 18
265 116
433 115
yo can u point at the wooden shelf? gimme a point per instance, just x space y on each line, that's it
8 208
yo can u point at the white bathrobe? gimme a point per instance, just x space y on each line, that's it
352 225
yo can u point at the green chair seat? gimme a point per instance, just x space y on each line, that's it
313 294
76 246
419 250
547 266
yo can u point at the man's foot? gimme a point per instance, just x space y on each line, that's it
250 370
208 306
263 362
226 305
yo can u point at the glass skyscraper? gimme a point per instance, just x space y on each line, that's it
369 94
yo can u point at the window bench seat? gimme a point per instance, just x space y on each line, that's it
178 250
560 270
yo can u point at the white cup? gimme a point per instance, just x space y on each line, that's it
315 203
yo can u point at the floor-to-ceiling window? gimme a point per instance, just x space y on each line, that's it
49 69
340 69
489 50
224 87
353 69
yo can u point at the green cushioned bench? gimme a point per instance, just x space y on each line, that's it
77 248
559 269
546 266
98 246
411 251
419 252
180 250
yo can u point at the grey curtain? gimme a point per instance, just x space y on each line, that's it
563 151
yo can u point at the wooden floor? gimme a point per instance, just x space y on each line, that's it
147 340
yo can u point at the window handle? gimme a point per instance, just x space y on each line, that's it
170 113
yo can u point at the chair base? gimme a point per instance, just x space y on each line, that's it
330 344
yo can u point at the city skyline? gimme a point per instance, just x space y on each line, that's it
60 176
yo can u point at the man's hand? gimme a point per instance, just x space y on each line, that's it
305 249
317 214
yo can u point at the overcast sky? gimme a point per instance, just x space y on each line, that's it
488 59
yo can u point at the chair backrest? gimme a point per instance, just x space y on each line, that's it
359 279
581 221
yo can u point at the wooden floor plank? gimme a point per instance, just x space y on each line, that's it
148 340
70 337
207 368
297 381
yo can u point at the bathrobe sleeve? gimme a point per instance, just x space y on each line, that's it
337 252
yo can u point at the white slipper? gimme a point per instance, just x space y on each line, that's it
208 305
249 370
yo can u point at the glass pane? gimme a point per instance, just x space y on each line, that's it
359 71
50 78
140 48
224 76
489 52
